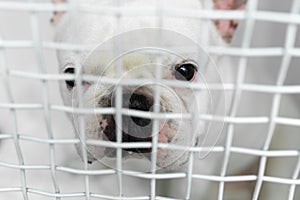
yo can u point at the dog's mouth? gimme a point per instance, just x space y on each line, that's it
133 129
110 133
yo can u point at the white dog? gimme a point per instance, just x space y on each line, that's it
87 28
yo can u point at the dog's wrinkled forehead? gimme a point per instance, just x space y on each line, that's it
94 28
91 28
104 64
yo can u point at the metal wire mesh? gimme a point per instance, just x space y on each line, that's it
244 53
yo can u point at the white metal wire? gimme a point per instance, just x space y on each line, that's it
118 102
15 124
244 53
46 106
291 34
250 10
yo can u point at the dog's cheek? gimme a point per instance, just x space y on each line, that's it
171 159
93 131
181 135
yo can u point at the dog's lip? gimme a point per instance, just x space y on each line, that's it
136 139
111 128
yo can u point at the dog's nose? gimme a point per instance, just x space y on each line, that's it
142 103
137 129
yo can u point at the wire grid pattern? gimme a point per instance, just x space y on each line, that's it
250 15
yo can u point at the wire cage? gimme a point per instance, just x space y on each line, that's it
37 155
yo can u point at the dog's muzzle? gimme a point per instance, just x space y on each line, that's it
134 129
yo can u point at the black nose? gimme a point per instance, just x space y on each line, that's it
137 129
142 103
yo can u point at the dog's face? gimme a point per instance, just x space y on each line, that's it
140 63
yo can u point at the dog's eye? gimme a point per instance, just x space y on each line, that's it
186 71
70 83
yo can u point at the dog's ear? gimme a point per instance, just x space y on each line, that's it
227 27
57 14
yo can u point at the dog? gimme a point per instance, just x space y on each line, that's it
93 29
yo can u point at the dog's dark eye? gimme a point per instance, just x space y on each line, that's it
185 71
70 83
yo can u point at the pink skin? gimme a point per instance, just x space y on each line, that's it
166 132
103 124
57 15
227 27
